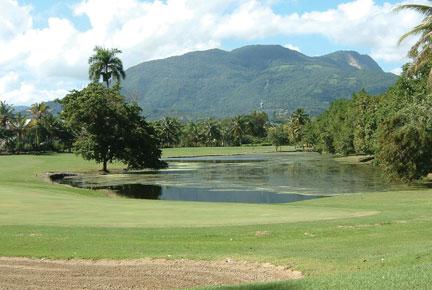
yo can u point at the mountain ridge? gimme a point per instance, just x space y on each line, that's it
219 83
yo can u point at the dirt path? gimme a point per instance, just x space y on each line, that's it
23 273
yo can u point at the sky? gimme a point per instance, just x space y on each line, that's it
45 44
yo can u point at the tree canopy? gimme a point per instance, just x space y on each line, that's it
106 65
108 129
421 51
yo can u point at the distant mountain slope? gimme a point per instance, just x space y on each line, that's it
217 83
54 107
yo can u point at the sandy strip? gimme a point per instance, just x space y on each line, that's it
23 273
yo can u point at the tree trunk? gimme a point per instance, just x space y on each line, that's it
105 166
106 77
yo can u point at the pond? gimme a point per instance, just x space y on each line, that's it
266 178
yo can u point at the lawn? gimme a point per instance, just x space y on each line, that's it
211 151
370 240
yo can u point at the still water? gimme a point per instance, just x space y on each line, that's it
266 178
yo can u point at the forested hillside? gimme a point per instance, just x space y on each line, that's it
217 83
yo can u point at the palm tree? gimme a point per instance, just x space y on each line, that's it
421 52
170 131
192 134
37 111
6 114
300 117
237 129
19 125
211 132
104 63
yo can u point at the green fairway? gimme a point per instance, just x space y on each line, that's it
211 151
370 240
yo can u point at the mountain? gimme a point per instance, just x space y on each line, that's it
216 83
54 106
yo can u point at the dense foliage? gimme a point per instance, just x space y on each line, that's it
34 130
250 129
217 83
396 127
97 122
108 129
421 51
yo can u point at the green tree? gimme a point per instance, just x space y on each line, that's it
277 136
105 63
192 135
256 124
211 132
364 109
296 124
108 129
6 114
38 111
237 129
334 129
20 125
421 52
169 131
405 141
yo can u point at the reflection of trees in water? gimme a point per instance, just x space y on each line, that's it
328 176
234 172
138 191
307 173
297 173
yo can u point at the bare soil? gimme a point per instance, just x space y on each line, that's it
23 273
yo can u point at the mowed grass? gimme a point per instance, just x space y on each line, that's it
370 240
212 151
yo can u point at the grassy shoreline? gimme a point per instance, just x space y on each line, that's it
347 242
222 151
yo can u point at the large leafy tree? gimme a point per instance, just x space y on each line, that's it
364 110
421 52
334 129
109 129
405 141
106 65
256 124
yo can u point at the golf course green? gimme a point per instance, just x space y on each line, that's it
380 240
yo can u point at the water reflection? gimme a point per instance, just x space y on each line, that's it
244 178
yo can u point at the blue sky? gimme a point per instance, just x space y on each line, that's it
311 45
45 43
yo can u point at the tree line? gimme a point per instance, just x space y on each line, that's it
96 122
249 129
395 127
100 125
35 130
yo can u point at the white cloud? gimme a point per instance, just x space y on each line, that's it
397 71
8 81
293 47
46 63
14 19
